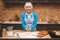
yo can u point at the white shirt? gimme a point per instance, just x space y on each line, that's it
29 16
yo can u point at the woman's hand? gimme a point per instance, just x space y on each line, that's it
28 29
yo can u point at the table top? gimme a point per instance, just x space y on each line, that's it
24 34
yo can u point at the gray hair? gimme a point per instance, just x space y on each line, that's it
28 4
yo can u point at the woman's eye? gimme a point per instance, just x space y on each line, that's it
28 7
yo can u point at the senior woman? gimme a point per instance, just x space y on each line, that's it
29 17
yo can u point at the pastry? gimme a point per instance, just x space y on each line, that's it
43 33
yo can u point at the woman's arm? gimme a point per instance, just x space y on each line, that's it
35 21
23 22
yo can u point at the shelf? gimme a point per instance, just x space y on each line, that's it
33 1
53 1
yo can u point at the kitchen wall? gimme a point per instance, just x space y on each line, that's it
45 11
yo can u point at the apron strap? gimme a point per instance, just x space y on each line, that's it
26 16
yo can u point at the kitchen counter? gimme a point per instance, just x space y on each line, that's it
21 22
25 35
40 25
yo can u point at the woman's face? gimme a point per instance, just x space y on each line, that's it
28 9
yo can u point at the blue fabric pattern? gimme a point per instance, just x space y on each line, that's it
34 23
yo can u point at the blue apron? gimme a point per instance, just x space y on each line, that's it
29 21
